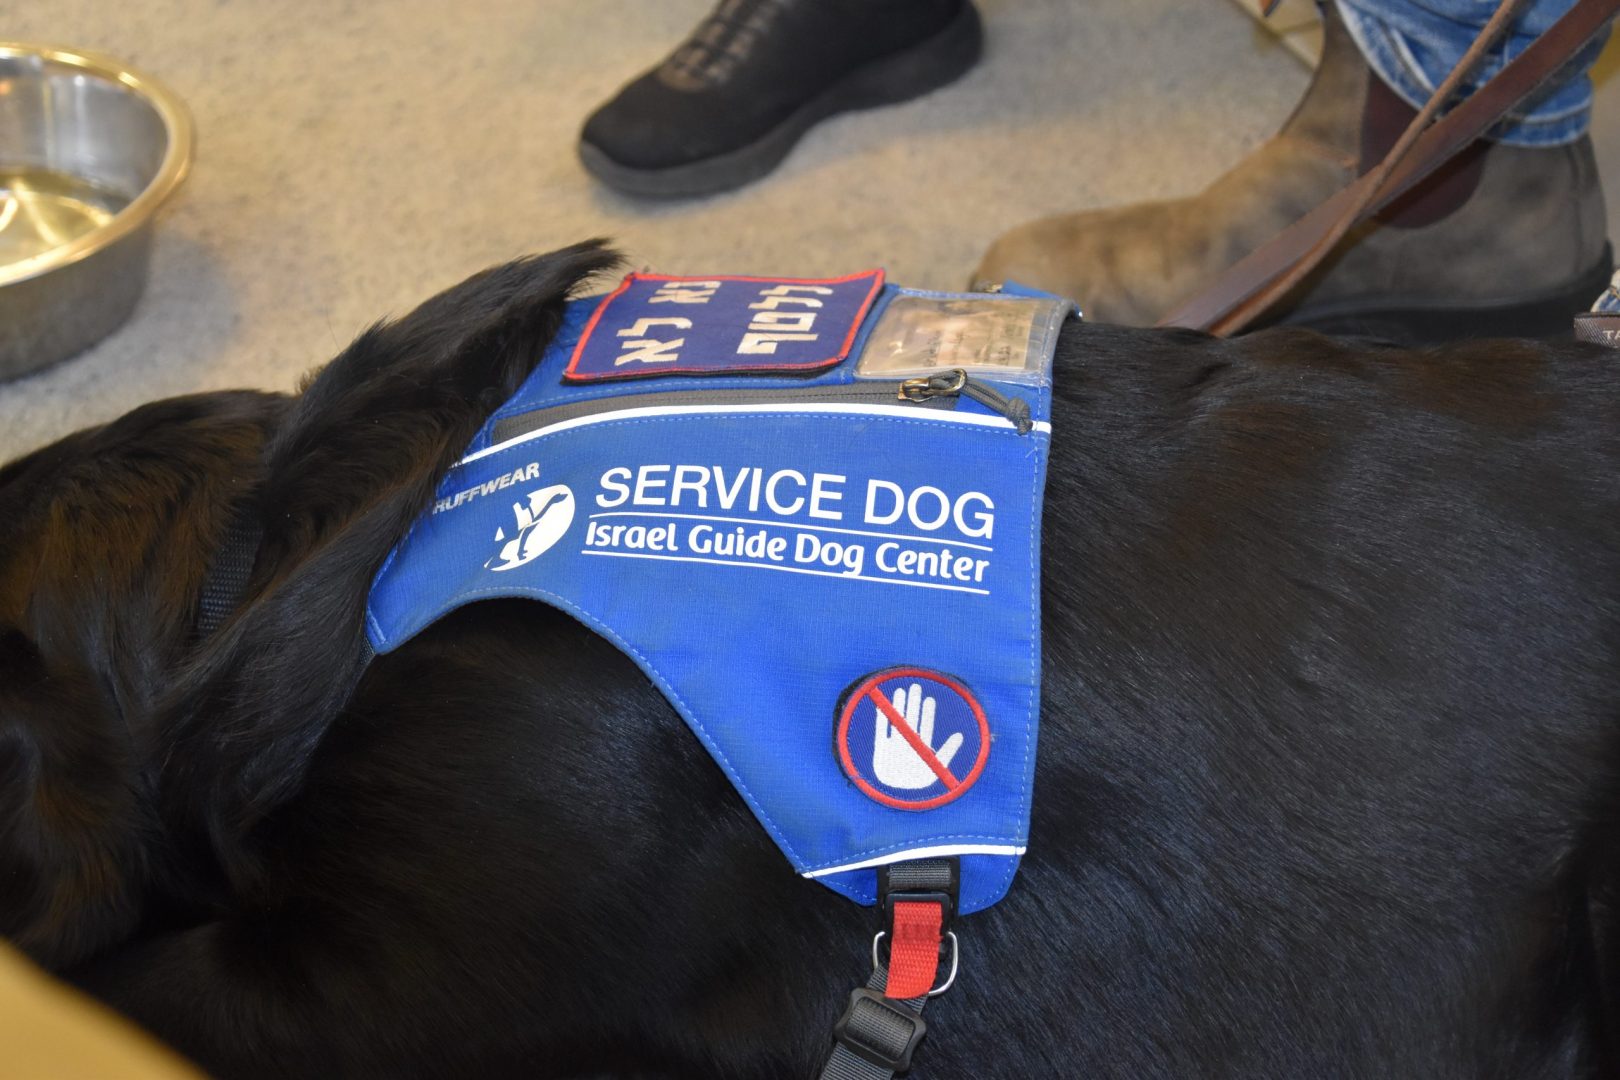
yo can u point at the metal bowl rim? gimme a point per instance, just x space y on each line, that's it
177 126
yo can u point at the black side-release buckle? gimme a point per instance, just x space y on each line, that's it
880 1031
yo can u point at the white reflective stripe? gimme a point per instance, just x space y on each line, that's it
909 412
920 853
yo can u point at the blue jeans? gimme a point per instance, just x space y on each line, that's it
1414 44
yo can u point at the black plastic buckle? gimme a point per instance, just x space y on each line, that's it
871 1029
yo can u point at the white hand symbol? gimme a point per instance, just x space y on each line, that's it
894 762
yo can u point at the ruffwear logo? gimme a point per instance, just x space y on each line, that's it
539 526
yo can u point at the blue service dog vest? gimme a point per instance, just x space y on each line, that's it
810 511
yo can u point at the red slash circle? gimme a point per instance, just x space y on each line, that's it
868 690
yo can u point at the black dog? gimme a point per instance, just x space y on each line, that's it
1327 783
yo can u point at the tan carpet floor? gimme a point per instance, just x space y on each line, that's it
356 155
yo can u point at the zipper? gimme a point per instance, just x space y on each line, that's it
958 382
942 390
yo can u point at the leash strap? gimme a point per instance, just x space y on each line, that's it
1247 288
882 1024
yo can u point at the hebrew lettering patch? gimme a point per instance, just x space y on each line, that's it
655 325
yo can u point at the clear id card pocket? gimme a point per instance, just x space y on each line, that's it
1004 337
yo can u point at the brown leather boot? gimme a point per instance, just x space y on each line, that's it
1503 240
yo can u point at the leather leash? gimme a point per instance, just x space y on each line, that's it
1249 287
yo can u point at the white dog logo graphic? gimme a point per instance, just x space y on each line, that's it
539 525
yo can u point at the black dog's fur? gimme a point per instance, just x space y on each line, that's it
1327 783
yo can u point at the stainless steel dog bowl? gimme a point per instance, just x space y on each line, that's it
88 152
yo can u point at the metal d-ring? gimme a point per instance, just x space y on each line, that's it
950 979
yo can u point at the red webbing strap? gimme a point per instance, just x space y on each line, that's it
914 949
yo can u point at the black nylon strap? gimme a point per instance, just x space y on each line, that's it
233 564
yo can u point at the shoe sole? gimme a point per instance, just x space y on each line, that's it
1545 315
921 69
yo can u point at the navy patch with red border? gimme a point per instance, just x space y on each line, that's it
653 324
911 738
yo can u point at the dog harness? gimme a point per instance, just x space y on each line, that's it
809 511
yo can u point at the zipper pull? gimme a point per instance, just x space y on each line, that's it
956 381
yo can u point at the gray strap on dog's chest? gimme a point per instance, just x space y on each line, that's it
877 1035
872 1025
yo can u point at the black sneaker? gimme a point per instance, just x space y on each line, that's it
732 100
